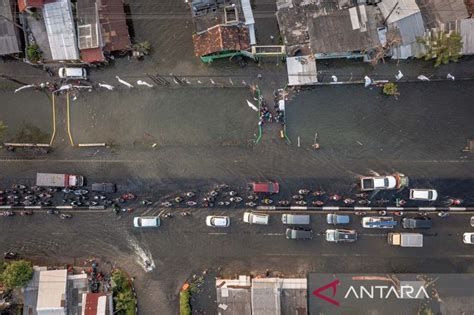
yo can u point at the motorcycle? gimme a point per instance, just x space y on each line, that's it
7 213
363 202
236 199
301 203
267 201
191 203
64 216
52 211
233 193
360 213
382 212
443 214
297 197
283 203
361 195
166 204
128 196
252 197
335 197
251 204
318 193
178 199
318 203
146 202
190 194
185 213
80 192
213 193
349 201
303 192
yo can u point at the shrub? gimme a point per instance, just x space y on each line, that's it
442 46
184 306
34 53
390 89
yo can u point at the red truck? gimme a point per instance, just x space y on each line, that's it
265 188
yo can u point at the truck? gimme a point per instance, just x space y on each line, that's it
378 222
395 181
59 180
406 239
265 187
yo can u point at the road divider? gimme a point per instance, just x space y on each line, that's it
355 208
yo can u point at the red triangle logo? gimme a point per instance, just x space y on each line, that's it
332 285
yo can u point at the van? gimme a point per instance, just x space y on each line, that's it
104 187
72 73
423 194
337 219
254 218
147 221
295 219
299 234
416 223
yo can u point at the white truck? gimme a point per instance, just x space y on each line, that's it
59 180
406 239
395 181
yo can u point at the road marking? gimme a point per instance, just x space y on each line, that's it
273 234
216 233
373 234
365 255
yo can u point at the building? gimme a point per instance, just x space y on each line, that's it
221 41
61 30
224 28
113 25
52 292
301 70
89 32
263 296
97 304
28 5
404 25
9 34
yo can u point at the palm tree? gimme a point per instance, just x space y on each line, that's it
123 300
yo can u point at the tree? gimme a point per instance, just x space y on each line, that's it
184 306
3 129
123 301
390 89
442 46
34 53
17 274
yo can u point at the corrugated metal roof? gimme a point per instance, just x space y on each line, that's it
87 24
52 292
301 70
8 34
403 9
410 28
60 28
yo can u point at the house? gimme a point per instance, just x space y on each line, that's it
97 304
269 296
113 24
9 40
223 28
221 41
405 24
89 32
301 70
61 31
52 292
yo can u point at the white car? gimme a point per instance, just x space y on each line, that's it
423 194
217 221
468 238
255 218
72 73
378 182
150 221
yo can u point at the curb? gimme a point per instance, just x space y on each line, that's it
52 207
355 208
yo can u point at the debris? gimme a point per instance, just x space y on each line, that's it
140 82
450 76
223 306
360 143
124 82
212 81
368 81
24 87
107 86
244 83
399 75
252 106
199 82
154 145
230 81
334 78
423 78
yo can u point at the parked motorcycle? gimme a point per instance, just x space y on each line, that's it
301 203
283 203
7 213
191 203
303 192
251 204
64 216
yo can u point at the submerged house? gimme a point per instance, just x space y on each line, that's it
223 28
88 32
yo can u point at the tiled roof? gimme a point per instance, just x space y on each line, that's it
221 37
113 24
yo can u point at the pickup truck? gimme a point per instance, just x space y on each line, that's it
59 180
395 181
378 222
406 239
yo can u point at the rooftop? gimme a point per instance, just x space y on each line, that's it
435 12
221 38
77 285
8 33
301 70
61 31
52 292
233 296
346 30
397 10
87 24
97 304
23 4
114 27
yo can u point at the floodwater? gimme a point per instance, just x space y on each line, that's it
165 117
28 116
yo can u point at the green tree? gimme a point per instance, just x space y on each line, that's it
442 46
124 302
34 53
390 89
17 274
3 129
184 306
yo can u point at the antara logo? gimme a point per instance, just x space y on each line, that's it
404 291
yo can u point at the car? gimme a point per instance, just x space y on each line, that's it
416 223
394 181
468 238
255 218
339 235
104 187
217 221
265 187
337 219
299 233
423 194
146 221
72 73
